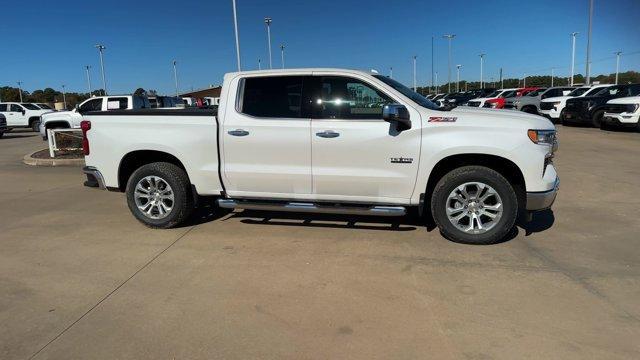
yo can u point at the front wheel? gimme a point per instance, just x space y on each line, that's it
597 118
35 126
474 205
159 195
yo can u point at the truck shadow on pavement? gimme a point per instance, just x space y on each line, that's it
540 222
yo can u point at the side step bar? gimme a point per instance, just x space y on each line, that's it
313 208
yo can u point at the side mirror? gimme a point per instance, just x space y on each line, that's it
23 111
398 114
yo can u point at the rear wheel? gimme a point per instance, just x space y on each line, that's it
159 195
474 205
596 120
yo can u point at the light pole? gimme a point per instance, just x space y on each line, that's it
437 83
259 64
588 73
268 21
415 85
87 67
449 37
573 54
432 37
235 30
481 65
618 53
524 80
551 77
20 89
104 81
391 72
282 54
64 97
458 78
175 75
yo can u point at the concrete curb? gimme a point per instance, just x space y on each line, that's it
30 160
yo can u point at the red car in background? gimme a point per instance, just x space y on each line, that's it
498 102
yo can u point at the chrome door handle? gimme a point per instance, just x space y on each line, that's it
238 132
328 134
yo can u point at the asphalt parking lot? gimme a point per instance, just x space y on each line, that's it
80 278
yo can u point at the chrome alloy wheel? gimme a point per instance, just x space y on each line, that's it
474 207
154 197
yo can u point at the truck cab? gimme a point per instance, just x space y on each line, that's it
71 119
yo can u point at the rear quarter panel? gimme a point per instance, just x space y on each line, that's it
191 139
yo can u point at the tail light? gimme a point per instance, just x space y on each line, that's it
85 125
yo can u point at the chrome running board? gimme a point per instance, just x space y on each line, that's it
313 208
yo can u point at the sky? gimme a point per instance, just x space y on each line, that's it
47 43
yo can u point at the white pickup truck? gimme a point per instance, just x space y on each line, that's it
331 141
22 115
71 119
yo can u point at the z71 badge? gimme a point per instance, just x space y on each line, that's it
442 119
401 160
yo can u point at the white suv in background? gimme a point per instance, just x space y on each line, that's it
479 102
552 107
22 115
623 112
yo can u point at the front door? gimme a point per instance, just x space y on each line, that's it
266 139
15 116
357 156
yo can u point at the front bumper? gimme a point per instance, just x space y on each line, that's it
94 178
543 200
576 116
621 119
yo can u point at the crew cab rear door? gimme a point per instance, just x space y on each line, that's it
265 137
357 156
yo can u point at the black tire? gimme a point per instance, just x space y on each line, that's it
484 175
35 125
182 206
1 134
596 120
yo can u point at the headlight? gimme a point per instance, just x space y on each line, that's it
493 105
555 104
542 137
631 108
517 102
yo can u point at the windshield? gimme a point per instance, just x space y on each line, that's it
417 98
494 94
30 106
578 92
599 91
511 93
44 106
536 92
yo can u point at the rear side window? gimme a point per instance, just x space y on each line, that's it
123 103
272 97
3 107
91 105
15 107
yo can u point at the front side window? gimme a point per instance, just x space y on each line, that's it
91 105
272 97
348 98
16 108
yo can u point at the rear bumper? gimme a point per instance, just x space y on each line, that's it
94 178
542 200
